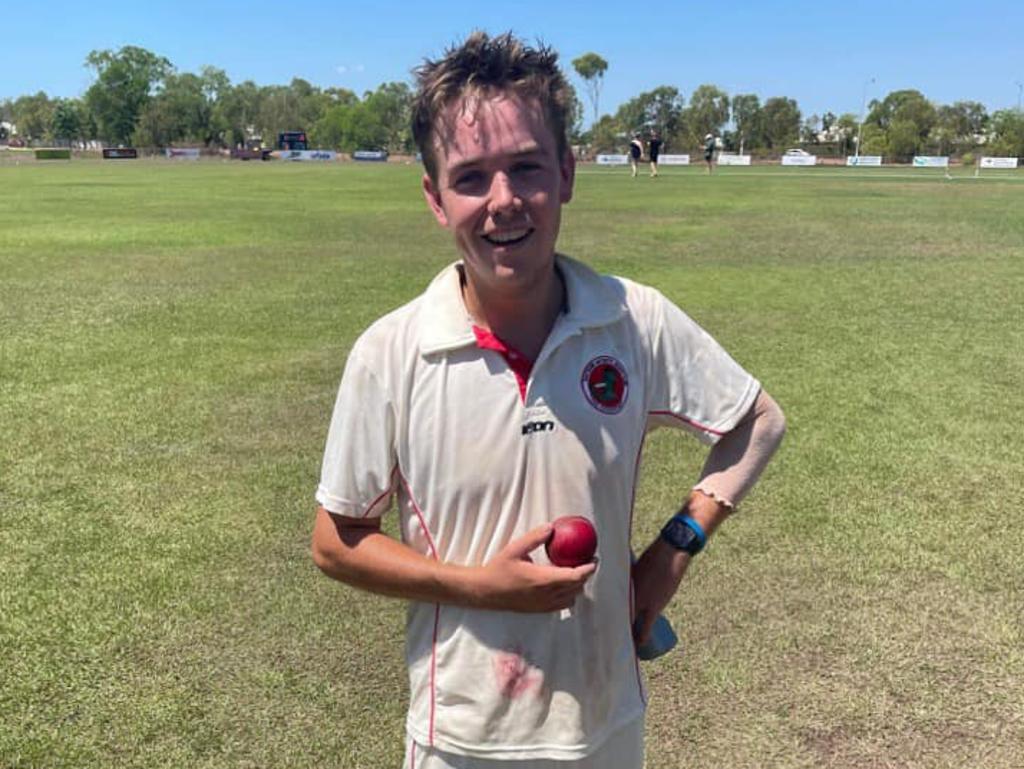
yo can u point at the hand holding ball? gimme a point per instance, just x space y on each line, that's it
573 541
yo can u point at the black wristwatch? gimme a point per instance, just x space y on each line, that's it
684 533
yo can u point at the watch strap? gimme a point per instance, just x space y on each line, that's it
693 544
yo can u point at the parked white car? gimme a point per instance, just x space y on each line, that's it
798 153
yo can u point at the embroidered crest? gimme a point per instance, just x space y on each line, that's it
605 384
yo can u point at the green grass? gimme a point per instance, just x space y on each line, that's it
171 337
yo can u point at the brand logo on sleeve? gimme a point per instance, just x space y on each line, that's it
605 384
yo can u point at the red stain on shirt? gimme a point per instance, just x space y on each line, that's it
515 676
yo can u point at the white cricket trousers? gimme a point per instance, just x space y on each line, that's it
624 749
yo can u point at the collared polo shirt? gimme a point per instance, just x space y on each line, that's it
430 419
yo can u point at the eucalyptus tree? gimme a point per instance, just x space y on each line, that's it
781 122
126 81
660 110
66 123
707 114
746 116
591 68
33 116
907 118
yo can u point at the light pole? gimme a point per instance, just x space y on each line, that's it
1020 88
860 126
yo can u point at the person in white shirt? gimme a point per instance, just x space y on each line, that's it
709 152
636 151
516 389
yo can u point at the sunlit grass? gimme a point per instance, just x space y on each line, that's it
171 337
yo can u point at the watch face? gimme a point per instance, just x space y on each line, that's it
680 536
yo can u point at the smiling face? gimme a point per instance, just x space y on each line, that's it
500 188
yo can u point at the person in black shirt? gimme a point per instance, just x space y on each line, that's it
654 149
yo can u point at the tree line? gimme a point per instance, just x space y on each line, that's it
140 99
903 124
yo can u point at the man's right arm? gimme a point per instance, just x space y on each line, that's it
355 551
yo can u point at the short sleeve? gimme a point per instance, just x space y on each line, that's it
694 383
359 468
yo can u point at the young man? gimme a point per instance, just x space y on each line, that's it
636 151
709 151
516 389
654 149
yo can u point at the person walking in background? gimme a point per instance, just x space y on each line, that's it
709 151
653 150
636 151
510 392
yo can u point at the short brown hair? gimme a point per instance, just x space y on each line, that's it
484 64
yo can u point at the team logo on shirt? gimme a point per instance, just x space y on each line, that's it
605 384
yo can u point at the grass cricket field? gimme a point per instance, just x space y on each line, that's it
171 338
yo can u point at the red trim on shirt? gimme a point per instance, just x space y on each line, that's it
690 422
521 365
632 504
419 515
384 494
437 613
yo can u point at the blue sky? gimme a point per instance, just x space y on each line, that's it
822 54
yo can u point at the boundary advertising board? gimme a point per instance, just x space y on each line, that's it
992 162
120 153
730 159
931 161
306 155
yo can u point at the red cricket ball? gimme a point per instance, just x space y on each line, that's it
573 541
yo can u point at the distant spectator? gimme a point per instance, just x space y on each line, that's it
654 149
709 151
636 151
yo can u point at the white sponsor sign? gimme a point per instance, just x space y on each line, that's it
729 159
183 153
998 162
674 160
375 155
612 160
864 160
799 160
931 161
305 155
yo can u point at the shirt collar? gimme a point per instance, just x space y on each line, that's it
593 300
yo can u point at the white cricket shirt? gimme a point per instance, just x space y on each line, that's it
427 416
